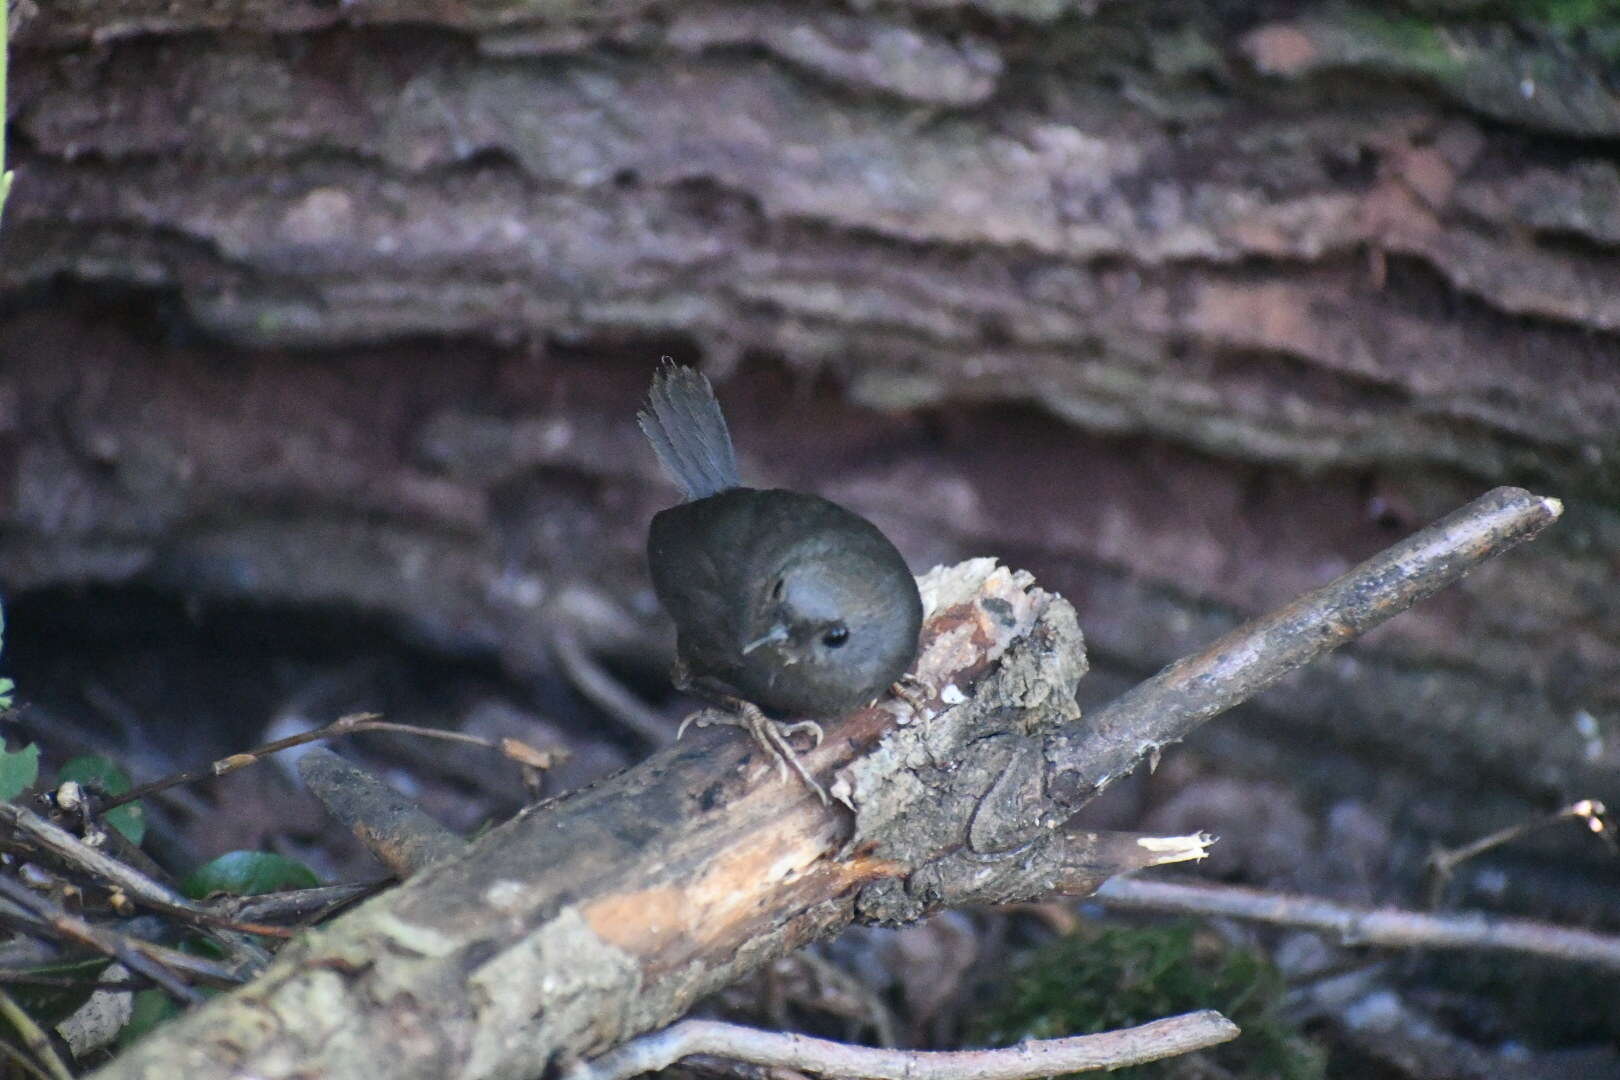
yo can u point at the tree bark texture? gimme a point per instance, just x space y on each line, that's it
1187 308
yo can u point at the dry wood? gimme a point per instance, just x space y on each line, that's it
298 905
581 924
1352 925
398 832
67 926
49 841
1025 1061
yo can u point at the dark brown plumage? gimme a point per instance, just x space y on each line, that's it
779 598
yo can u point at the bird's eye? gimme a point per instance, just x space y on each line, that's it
835 637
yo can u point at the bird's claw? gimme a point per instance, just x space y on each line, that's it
913 691
773 735
788 730
701 718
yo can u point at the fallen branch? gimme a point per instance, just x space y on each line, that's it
46 838
296 906
70 927
397 832
40 837
1025 1061
1367 926
1240 664
406 840
199 969
583 923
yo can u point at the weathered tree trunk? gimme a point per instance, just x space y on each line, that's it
1184 309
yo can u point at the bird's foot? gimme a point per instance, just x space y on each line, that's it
913 691
773 735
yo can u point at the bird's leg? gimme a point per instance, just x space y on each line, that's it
773 735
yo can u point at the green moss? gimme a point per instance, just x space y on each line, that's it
1407 42
1567 14
1098 980
1593 25
1561 14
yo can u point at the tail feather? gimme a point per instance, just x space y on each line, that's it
687 430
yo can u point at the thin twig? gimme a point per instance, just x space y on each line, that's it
199 969
1366 926
79 818
46 836
295 905
214 921
353 724
117 946
67 982
1443 862
343 725
864 1004
49 837
604 691
34 1037
1041 1057
23 1061
1241 663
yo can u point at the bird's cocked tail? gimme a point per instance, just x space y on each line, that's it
688 432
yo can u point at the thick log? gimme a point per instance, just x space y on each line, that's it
577 925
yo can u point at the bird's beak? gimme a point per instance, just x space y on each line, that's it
778 633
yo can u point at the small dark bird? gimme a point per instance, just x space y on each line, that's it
780 599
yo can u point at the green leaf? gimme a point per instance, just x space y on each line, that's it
18 771
247 873
103 774
6 687
150 1008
